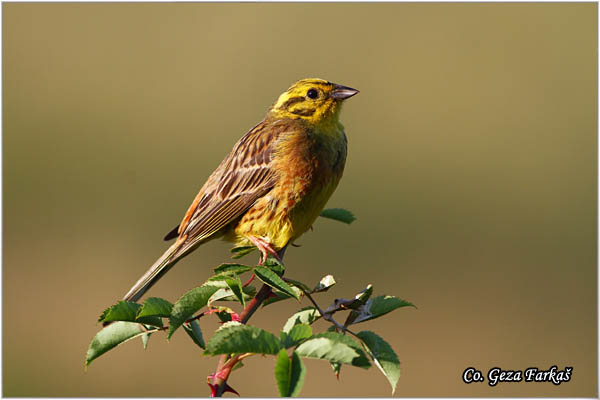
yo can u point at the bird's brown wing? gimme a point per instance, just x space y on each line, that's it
244 176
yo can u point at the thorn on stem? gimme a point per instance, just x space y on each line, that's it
230 389
213 389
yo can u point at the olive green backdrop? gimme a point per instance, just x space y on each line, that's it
471 168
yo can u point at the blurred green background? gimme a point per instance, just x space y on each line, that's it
471 168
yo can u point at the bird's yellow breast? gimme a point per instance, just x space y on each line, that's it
310 164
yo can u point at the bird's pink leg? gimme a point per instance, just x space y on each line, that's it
265 248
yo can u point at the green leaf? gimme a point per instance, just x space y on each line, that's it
111 336
230 287
221 294
234 337
326 282
241 251
381 305
217 281
296 335
383 356
122 311
187 305
227 294
104 314
193 330
334 347
283 366
338 214
232 269
279 296
127 311
224 314
298 284
235 284
289 373
376 307
307 315
274 266
156 307
272 279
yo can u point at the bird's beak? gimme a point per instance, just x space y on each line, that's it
340 92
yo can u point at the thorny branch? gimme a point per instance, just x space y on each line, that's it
225 365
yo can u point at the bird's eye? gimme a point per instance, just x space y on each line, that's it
312 94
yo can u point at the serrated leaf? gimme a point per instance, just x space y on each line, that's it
274 265
104 314
232 269
127 311
377 307
225 282
220 295
383 356
272 279
235 284
234 337
338 214
241 251
289 374
336 348
296 335
348 340
279 296
224 314
155 307
282 372
217 281
298 284
227 295
122 311
382 305
307 315
111 336
188 305
324 284
193 330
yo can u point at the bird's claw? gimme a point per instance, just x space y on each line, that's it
265 248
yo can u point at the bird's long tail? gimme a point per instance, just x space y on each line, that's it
156 271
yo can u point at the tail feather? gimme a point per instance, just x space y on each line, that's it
156 271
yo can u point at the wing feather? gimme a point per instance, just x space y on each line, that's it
244 176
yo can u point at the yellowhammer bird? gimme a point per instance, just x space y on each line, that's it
273 185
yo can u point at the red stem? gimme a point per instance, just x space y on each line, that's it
225 366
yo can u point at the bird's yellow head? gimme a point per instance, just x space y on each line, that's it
313 100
